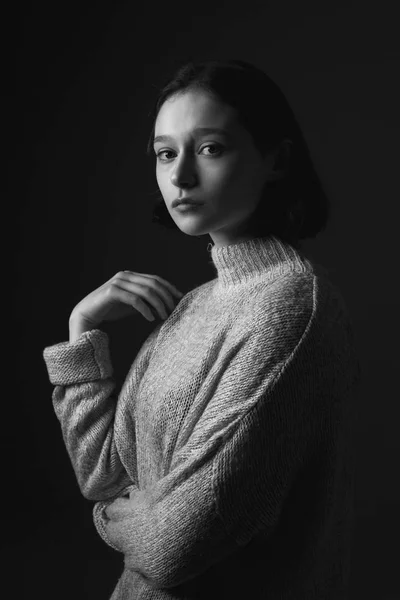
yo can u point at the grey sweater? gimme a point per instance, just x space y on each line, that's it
224 468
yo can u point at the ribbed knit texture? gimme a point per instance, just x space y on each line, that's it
224 469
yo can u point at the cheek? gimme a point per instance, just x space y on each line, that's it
237 172
161 180
225 174
245 183
234 182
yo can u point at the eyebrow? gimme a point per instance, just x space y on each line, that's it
200 130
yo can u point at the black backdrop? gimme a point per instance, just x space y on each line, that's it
80 78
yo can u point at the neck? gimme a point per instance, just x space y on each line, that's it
242 261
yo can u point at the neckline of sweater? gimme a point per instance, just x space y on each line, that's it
256 257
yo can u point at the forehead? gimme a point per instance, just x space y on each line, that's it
192 109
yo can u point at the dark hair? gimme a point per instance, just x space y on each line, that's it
298 208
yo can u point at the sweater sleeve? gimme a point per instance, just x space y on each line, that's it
229 480
85 403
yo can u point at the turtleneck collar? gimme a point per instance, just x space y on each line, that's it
257 257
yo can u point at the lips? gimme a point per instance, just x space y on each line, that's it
185 201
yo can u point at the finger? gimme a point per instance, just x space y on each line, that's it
168 299
148 294
134 300
117 508
169 285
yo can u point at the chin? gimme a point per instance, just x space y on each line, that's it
193 229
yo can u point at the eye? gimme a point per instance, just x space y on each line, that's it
213 146
162 152
217 146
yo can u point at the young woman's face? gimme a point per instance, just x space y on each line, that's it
223 170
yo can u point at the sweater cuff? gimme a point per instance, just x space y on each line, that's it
99 520
85 359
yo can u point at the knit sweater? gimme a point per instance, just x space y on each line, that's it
224 468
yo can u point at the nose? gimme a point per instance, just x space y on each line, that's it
183 174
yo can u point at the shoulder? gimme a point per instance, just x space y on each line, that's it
285 298
290 304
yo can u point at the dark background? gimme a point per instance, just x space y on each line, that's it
81 79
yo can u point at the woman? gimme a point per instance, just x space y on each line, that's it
225 466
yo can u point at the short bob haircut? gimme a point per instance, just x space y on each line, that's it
292 208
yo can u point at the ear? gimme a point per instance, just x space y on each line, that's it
278 159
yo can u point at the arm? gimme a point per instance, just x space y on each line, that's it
231 478
85 403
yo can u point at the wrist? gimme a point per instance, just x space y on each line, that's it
77 327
